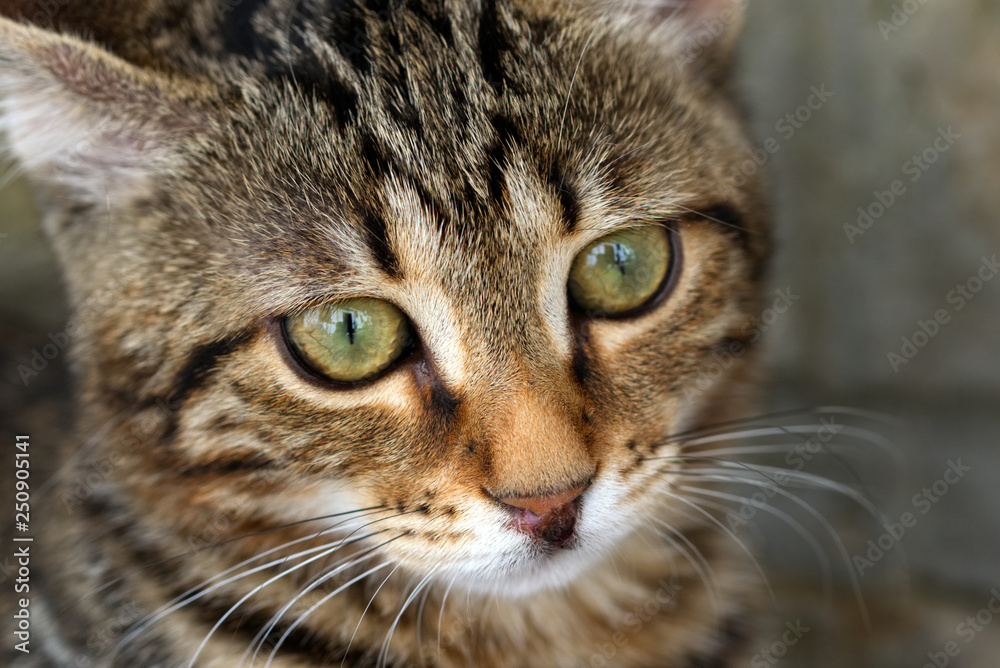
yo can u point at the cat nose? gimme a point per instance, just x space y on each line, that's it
549 517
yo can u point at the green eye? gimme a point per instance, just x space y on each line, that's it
620 272
349 341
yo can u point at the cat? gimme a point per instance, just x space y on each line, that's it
390 320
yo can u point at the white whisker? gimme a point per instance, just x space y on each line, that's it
258 642
802 477
855 585
697 560
733 536
317 604
206 587
796 526
444 600
365 611
384 654
257 589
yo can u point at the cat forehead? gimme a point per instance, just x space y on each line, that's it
487 123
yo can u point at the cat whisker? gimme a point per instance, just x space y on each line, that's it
200 591
824 561
814 446
728 475
329 572
623 558
315 606
808 480
576 71
725 425
384 654
496 603
444 600
12 171
363 613
361 512
864 435
715 521
233 608
770 449
420 616
697 560
803 479
855 585
483 618
207 586
280 575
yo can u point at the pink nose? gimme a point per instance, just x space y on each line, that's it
550 517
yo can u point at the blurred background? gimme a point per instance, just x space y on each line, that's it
887 202
878 127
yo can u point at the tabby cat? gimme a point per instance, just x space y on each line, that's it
389 319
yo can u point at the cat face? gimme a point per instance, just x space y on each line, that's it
455 181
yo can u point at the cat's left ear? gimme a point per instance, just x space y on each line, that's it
75 114
700 33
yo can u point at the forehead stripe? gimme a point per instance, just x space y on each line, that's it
377 240
567 197
492 44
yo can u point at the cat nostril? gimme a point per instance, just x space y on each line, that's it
550 517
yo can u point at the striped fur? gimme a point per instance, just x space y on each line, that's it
210 167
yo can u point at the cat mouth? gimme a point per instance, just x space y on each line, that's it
549 531
549 520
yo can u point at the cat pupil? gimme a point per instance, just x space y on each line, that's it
349 323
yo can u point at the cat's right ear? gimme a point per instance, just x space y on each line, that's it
699 34
74 114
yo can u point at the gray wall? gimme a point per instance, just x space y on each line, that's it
896 87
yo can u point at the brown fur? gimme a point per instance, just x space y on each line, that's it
452 158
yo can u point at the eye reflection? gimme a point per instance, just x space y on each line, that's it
620 272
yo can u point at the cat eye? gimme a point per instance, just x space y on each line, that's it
621 272
349 341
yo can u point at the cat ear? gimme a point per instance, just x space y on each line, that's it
701 33
74 114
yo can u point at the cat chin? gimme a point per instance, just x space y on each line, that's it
530 571
532 575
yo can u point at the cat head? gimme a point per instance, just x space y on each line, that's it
466 264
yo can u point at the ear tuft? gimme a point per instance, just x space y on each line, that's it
703 33
75 114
